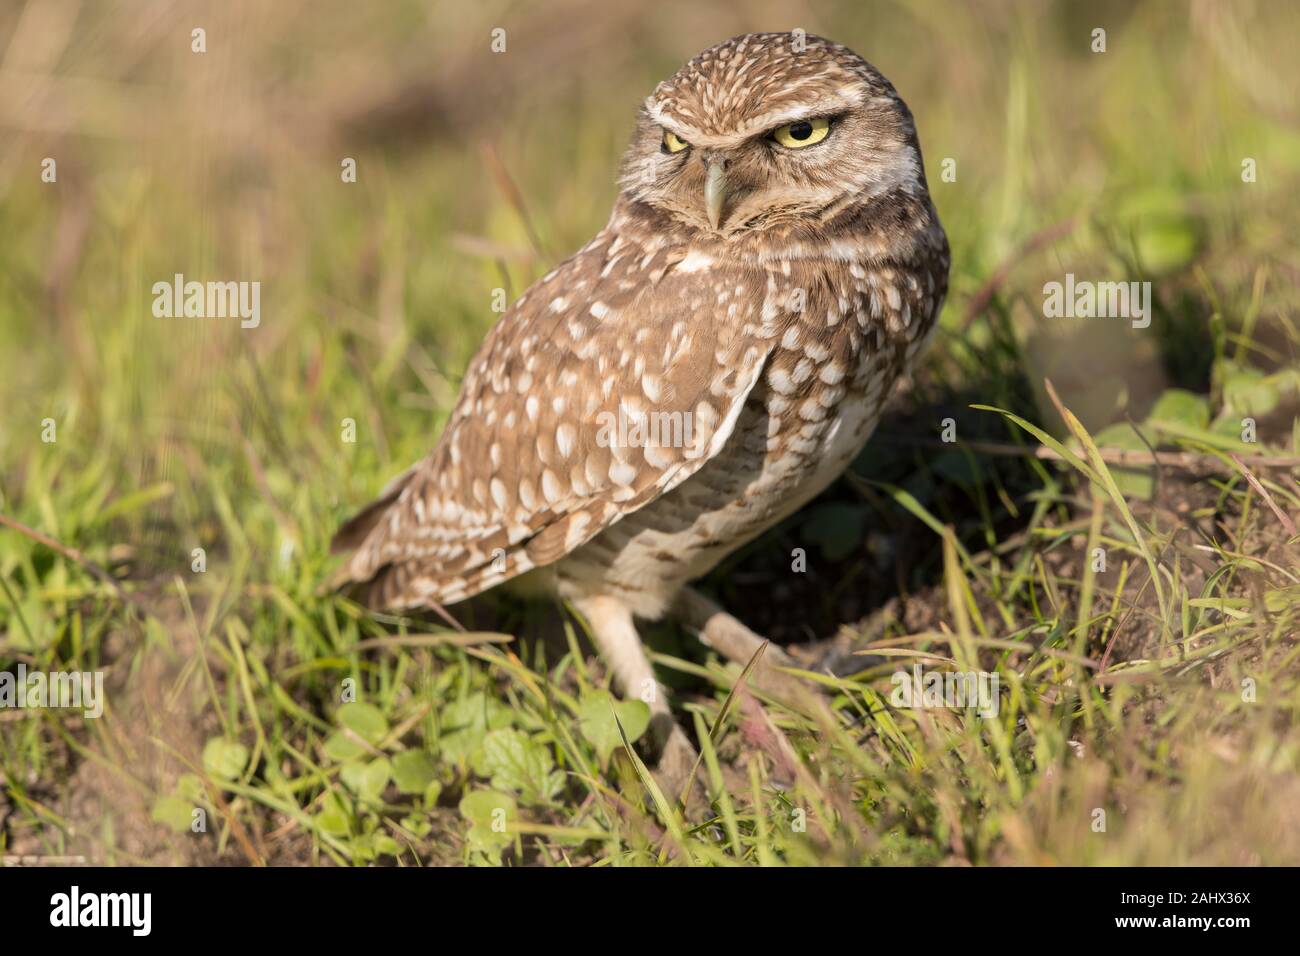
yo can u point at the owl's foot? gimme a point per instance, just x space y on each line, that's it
610 623
733 640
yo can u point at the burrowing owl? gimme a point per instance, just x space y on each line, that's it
708 363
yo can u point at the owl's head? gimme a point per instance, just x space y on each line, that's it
770 131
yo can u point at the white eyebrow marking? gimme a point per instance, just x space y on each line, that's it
842 100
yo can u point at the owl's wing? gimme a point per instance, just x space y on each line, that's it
610 382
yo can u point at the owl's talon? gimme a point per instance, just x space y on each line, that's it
736 642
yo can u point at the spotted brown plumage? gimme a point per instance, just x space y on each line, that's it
759 298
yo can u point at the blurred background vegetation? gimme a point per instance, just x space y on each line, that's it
478 170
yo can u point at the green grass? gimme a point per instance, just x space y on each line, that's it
1162 691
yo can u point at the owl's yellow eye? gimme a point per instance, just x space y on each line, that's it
674 143
803 133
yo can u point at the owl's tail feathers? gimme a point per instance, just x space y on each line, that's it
388 588
356 529
406 583
387 578
356 577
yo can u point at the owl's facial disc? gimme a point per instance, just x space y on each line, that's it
725 183
799 134
769 133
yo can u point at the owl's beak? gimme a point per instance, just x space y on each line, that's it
715 191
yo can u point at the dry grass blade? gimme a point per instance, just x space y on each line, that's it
722 716
505 182
1185 460
1282 516
464 639
1108 483
73 555
667 812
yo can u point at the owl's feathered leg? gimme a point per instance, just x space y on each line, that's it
733 640
612 628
